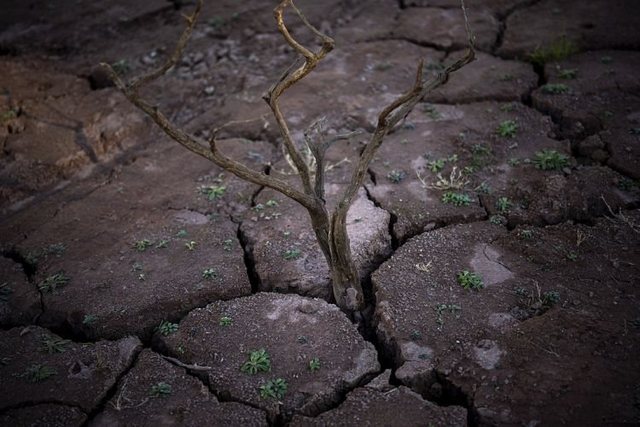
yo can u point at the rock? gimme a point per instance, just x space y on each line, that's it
157 392
40 367
290 337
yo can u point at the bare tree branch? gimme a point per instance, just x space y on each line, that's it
291 77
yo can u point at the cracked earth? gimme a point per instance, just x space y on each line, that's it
137 278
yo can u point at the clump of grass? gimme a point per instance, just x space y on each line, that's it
456 199
550 160
53 282
497 220
259 361
274 389
507 129
52 344
37 373
558 50
470 280
555 88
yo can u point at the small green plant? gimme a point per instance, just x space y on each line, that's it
182 233
167 328
213 192
258 362
162 244
503 204
52 344
443 308
274 389
8 115
497 220
191 245
258 208
37 373
431 111
550 298
508 107
121 66
526 234
5 292
226 321
227 245
396 176
160 389
456 199
437 165
550 160
89 319
271 203
314 364
415 335
291 254
53 282
568 73
470 280
558 50
555 88
209 273
507 129
142 245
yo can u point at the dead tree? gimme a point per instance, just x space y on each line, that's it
330 228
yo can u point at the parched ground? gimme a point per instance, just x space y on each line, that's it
497 233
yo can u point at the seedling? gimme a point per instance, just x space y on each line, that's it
191 245
271 203
52 344
258 362
503 204
53 282
456 199
550 298
8 115
226 321
213 192
526 234
507 129
37 373
160 389
121 66
437 165
568 73
258 208
274 389
443 308
431 111
497 220
167 328
89 319
5 292
314 364
396 176
182 233
415 335
142 245
555 88
550 160
291 254
470 280
209 273
227 245
162 244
